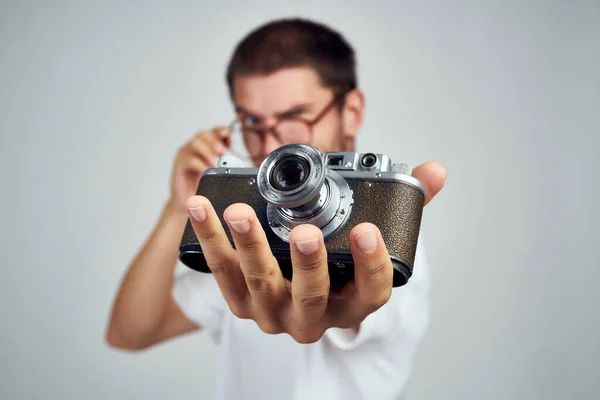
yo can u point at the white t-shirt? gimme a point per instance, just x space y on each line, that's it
375 364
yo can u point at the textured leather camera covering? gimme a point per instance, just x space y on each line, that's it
394 207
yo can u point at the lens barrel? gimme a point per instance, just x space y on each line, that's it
291 176
299 189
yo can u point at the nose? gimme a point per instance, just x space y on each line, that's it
271 143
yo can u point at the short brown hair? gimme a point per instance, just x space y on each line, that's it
296 42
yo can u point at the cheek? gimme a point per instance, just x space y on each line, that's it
328 135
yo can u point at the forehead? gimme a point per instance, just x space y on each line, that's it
279 91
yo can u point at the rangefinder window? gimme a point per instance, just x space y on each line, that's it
335 160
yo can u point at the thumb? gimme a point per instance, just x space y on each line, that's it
433 177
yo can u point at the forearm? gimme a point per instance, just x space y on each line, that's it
143 299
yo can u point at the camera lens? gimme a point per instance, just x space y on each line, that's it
369 160
290 173
291 176
300 189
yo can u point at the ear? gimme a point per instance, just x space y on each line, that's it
353 113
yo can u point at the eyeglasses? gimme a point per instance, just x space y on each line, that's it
287 130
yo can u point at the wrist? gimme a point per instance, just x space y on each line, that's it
174 209
174 217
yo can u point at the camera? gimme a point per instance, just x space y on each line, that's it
297 184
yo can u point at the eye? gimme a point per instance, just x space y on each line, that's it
250 120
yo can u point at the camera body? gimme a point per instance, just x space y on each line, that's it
296 184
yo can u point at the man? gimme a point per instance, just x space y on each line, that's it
291 81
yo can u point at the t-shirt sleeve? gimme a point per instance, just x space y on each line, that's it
406 313
200 300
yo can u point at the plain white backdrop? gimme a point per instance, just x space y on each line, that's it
96 97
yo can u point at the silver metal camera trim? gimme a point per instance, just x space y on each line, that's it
395 177
353 162
229 161
313 207
383 170
301 195
332 215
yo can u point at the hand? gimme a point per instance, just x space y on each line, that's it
252 283
192 159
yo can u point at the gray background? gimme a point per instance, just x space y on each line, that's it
95 98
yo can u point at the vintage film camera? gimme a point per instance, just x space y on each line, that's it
296 184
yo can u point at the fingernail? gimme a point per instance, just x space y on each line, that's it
240 226
198 213
309 246
367 241
220 148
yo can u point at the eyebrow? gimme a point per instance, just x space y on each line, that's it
294 110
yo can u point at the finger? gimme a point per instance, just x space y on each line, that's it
220 255
260 268
193 163
310 283
373 271
433 176
218 136
222 132
215 145
204 149
223 135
